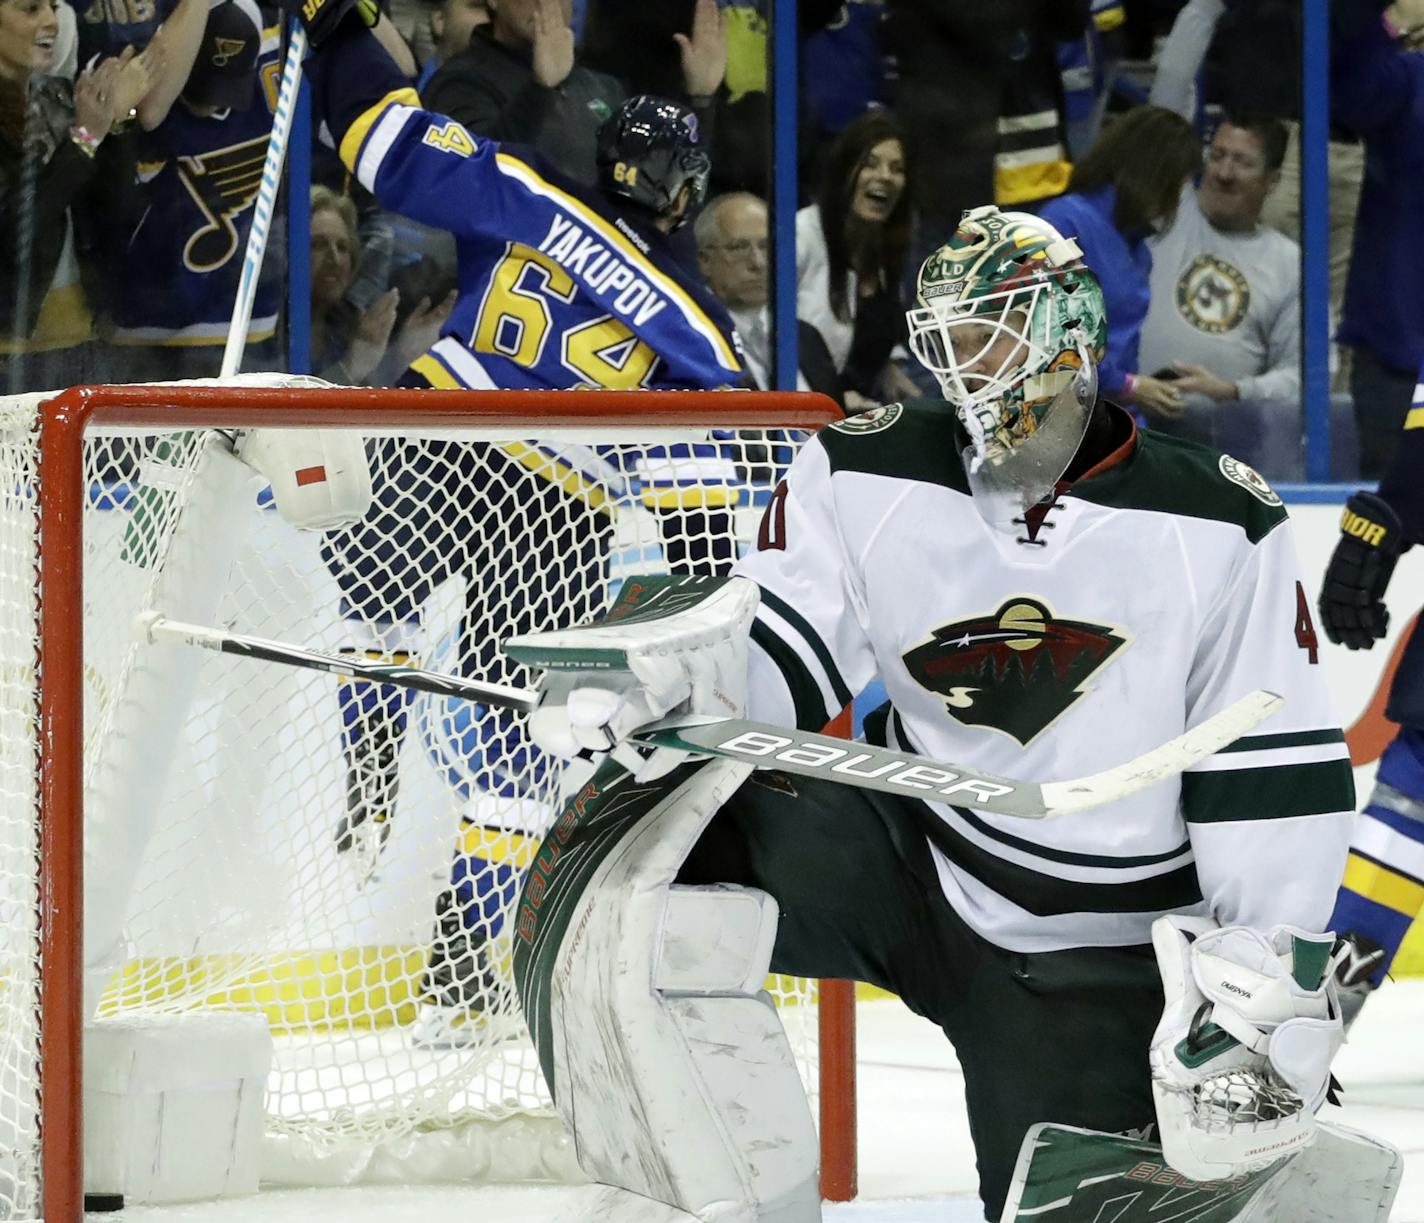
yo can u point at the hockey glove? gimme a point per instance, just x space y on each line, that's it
1351 598
1241 1058
321 17
669 646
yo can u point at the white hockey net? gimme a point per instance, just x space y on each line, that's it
338 857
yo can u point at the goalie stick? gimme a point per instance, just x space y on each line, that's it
791 751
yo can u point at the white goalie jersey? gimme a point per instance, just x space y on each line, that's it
1155 592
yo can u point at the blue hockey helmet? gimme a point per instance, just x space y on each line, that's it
648 150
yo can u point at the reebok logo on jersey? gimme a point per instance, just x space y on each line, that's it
602 270
1013 671
872 420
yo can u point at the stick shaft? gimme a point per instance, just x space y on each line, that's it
156 628
892 772
790 751
266 202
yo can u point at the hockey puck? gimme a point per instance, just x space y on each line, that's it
103 1203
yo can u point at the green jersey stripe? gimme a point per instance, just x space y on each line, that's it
1047 895
1298 738
1281 792
1067 857
811 711
813 639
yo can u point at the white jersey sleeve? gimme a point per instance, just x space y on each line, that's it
1270 816
810 649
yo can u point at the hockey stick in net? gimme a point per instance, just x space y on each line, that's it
775 747
152 626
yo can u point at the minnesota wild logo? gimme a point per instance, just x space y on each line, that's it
1015 670
872 420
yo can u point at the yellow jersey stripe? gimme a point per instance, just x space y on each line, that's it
1043 176
433 370
1384 886
356 134
1414 418
569 479
691 497
526 174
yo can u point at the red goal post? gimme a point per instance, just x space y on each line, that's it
84 453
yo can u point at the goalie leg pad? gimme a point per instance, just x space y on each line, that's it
1083 1176
669 1067
1344 1176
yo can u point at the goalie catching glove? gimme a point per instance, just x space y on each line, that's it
669 647
1241 1058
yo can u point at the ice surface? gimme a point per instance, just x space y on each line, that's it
916 1162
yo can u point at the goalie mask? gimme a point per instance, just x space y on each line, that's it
1012 324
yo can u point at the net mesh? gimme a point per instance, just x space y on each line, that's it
339 857
19 833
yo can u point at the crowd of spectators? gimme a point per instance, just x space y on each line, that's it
132 136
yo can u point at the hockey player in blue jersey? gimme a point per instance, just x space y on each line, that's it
1383 890
560 286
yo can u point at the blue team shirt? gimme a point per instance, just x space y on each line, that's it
174 259
1377 91
1123 267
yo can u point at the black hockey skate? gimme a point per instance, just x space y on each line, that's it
463 998
372 786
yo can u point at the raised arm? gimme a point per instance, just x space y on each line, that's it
1174 85
174 47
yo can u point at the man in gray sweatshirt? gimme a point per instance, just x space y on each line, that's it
1225 311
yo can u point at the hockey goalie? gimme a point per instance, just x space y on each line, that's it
1045 591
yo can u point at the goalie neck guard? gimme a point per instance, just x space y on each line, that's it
1012 324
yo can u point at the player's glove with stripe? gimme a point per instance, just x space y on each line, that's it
321 17
1352 597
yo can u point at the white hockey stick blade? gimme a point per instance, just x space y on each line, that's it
878 768
152 627
1206 738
